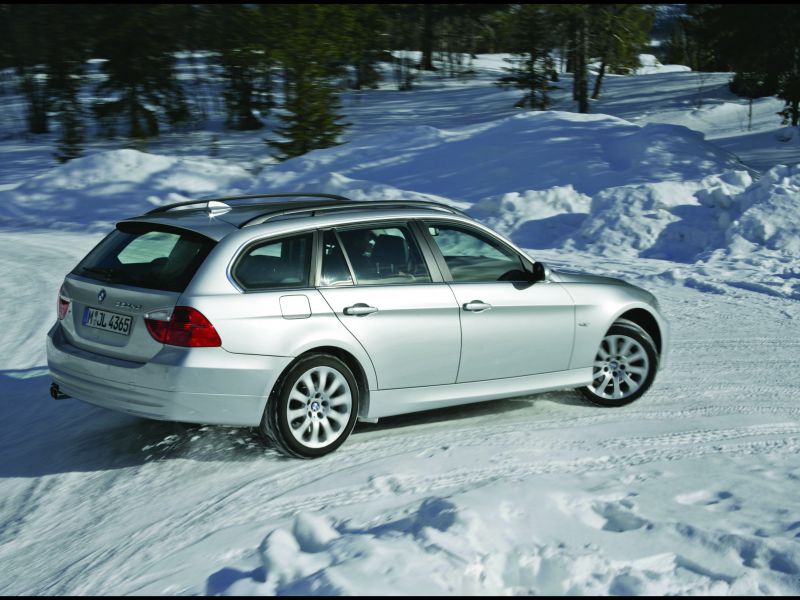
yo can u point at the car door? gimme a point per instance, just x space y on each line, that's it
394 301
508 328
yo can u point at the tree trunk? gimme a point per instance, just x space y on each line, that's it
532 79
37 105
575 74
581 78
599 80
426 64
795 112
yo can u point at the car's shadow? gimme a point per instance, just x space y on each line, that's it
40 436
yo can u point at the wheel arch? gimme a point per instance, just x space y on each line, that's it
348 358
647 321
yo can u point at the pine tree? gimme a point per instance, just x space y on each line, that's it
366 32
402 32
26 44
575 20
789 91
241 37
312 55
755 41
620 31
531 39
65 56
138 45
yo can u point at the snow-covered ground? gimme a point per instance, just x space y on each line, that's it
690 490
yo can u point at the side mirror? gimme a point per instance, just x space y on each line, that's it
539 271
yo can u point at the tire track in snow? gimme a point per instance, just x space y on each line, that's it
415 485
206 519
252 500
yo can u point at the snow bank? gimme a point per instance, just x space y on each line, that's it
671 220
722 216
490 543
769 214
545 179
535 218
528 154
528 151
650 65
336 183
97 190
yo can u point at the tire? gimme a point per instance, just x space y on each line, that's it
304 419
624 367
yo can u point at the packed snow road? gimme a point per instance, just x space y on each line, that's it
692 489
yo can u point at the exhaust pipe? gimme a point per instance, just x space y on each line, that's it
55 393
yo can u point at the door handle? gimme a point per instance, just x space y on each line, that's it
477 306
360 310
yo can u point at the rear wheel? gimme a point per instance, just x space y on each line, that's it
313 408
624 367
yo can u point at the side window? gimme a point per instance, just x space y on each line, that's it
473 256
384 255
334 266
283 263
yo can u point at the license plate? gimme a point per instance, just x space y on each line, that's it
107 321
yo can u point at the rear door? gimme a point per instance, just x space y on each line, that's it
384 291
508 328
137 269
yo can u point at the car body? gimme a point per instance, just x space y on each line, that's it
426 307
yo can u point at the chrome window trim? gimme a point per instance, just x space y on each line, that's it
242 250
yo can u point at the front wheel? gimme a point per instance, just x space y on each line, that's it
313 409
624 367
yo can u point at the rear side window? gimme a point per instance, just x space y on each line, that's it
283 263
147 256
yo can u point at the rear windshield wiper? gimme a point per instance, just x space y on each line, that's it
107 272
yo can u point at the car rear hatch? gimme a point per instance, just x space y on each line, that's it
139 268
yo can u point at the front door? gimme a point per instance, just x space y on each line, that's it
509 329
382 291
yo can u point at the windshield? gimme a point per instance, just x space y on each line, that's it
147 256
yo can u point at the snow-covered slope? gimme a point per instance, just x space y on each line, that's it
690 490
105 187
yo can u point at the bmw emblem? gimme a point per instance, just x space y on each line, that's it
101 296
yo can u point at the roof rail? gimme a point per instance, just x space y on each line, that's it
354 204
225 200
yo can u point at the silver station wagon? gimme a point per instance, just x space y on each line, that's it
301 313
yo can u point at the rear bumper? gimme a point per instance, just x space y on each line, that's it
192 385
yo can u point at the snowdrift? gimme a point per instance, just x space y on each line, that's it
550 179
650 65
532 150
95 191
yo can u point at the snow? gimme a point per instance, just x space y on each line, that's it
651 65
99 189
690 490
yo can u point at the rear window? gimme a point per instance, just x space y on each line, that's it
147 256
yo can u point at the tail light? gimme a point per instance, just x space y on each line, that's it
183 326
62 306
